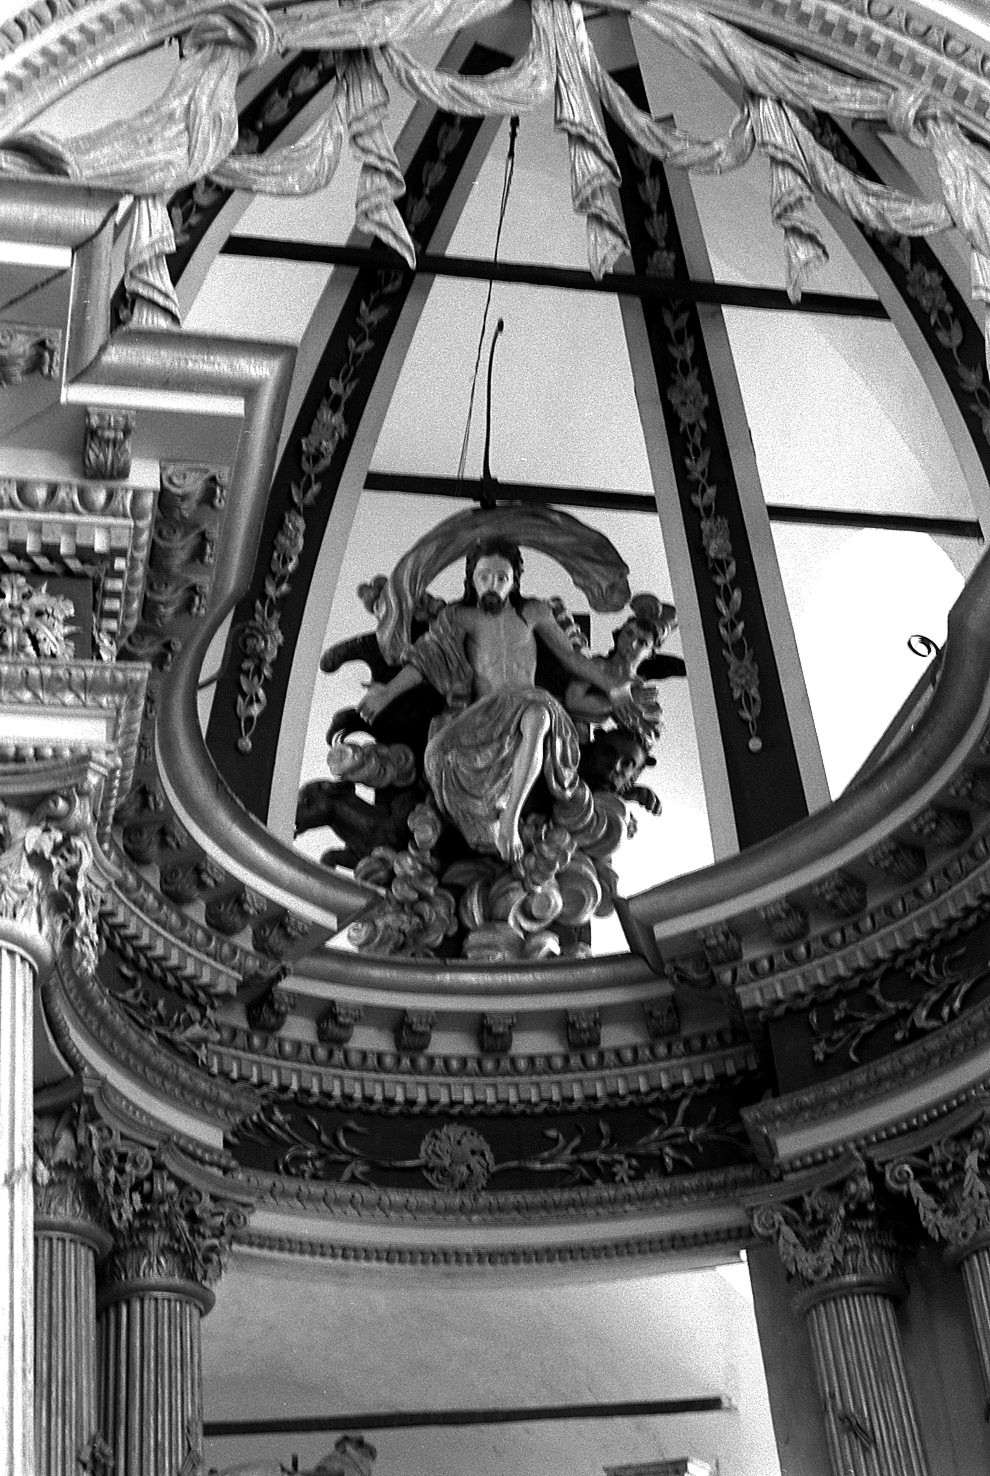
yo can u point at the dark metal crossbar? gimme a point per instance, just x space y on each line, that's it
422 1418
535 274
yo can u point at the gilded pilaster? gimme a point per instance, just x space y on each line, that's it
949 1185
169 1246
837 1250
68 1237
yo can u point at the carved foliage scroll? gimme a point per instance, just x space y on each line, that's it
45 873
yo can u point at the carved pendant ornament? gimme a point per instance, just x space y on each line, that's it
503 756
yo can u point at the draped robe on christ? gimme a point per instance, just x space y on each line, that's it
472 746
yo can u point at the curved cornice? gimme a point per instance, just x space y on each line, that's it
907 783
701 1214
913 1087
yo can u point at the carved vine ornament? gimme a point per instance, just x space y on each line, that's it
190 133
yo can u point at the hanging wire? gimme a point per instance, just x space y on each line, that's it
510 164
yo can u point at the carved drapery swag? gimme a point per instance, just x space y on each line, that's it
191 130
46 881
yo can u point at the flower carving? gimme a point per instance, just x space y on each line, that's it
456 1158
688 398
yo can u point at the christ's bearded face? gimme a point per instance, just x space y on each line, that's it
493 580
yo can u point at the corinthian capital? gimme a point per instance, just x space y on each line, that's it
949 1184
64 1168
47 893
831 1233
163 1229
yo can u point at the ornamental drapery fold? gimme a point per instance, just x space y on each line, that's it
191 130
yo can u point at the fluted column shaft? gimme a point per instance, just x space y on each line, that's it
65 1343
17 976
870 1419
151 1391
975 1268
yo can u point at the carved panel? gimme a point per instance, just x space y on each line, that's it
696 1130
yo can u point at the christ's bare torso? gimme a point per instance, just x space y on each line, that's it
501 649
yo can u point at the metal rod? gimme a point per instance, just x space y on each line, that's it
486 465
419 1419
471 489
533 274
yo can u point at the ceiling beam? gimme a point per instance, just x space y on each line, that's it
431 1418
534 274
475 489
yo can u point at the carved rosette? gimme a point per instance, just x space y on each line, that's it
48 899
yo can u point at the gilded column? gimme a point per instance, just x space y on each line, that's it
68 1237
949 1183
44 904
169 1245
836 1249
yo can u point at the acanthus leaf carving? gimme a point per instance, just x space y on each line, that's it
46 883
949 1186
107 444
163 1228
33 623
830 1232
64 1160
